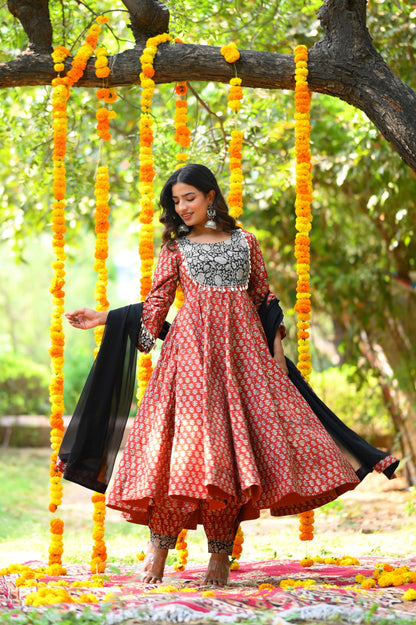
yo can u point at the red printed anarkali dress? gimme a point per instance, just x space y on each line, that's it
220 421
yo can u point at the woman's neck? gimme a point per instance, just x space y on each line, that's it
207 235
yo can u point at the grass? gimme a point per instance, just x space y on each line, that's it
375 519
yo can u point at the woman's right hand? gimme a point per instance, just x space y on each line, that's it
86 318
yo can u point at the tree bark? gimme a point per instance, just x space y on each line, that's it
34 17
344 64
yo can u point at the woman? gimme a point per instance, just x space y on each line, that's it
221 432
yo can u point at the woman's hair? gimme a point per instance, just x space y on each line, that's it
203 179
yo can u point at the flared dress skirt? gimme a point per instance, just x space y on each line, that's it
220 421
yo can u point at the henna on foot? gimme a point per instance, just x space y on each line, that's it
218 571
154 564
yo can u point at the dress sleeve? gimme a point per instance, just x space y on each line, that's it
160 298
258 286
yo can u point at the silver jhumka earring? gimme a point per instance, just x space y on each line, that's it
183 229
211 214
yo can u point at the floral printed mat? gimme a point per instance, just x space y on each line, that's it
330 590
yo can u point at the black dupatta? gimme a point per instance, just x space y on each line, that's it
271 316
94 434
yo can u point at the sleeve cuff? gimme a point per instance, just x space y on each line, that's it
146 339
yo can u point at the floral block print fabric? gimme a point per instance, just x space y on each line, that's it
220 421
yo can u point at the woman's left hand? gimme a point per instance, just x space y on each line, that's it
282 364
278 353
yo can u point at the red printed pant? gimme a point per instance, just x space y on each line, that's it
220 526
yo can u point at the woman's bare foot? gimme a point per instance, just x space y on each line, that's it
154 564
218 570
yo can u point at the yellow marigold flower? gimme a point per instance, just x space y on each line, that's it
230 52
87 598
101 62
409 595
368 582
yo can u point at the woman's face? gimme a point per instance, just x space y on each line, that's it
191 204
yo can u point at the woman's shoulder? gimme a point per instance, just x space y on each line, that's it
169 252
250 237
170 247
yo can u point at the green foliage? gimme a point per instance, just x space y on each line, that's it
363 237
362 409
23 385
411 502
21 488
52 616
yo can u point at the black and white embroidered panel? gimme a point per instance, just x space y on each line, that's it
224 264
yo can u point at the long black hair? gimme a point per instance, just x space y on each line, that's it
203 179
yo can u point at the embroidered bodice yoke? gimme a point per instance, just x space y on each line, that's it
223 264
211 275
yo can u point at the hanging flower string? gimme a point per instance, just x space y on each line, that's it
102 210
235 203
146 188
306 521
235 96
303 227
303 207
60 94
182 132
237 549
99 550
181 551
108 95
102 226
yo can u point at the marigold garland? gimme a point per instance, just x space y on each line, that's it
102 226
303 207
182 132
306 521
60 94
99 550
146 188
303 226
235 96
237 549
109 95
181 551
235 202
102 210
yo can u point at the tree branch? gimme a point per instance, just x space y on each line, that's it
34 17
344 64
148 18
357 74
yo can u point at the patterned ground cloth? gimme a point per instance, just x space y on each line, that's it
181 600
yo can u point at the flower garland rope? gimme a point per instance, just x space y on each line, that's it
235 96
303 207
231 54
146 188
302 240
102 226
60 95
182 132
